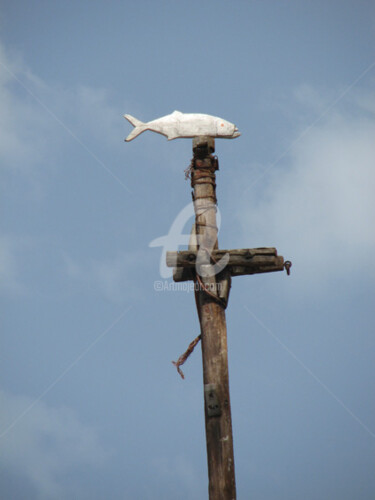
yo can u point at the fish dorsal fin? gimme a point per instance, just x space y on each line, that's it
177 113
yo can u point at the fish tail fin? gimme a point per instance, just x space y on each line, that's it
139 127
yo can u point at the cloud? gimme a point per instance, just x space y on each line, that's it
42 126
94 115
39 120
46 447
115 278
318 204
23 128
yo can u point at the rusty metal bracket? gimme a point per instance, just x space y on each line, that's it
211 401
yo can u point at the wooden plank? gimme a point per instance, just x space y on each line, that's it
277 264
241 262
188 258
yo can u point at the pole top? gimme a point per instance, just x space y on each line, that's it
203 145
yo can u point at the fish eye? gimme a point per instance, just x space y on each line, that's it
222 125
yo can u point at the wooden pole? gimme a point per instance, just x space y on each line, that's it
211 313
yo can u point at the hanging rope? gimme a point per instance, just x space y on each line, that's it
181 360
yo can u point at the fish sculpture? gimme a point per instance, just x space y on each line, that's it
178 125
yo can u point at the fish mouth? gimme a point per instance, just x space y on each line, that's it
236 133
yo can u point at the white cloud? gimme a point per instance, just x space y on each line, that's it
115 278
318 207
40 120
94 114
23 127
46 445
41 126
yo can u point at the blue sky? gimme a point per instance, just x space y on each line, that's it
92 407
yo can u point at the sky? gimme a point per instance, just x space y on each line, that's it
91 406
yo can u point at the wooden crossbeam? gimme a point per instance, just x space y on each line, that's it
241 262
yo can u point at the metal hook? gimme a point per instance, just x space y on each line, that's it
287 265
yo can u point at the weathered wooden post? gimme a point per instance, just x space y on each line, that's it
211 311
211 270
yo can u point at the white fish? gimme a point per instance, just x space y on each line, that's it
185 125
